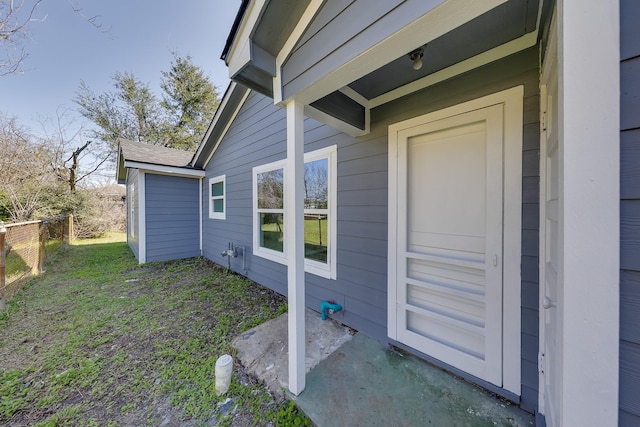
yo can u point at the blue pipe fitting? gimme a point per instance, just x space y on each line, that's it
329 306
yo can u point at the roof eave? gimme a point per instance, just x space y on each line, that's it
121 171
225 114
165 169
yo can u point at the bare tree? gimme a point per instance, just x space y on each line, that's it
15 18
316 184
24 170
13 26
70 158
94 20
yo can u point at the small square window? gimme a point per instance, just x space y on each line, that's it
217 198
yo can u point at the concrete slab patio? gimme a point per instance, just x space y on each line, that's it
264 349
363 383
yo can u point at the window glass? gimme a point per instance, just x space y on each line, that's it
218 205
316 184
217 189
272 231
316 228
270 208
271 189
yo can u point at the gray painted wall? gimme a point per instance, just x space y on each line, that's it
172 217
258 136
629 213
132 240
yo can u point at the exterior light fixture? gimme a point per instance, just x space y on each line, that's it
416 57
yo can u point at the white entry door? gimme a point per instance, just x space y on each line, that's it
448 217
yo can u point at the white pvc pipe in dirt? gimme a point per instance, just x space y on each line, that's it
224 367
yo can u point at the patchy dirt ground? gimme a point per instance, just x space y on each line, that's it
99 340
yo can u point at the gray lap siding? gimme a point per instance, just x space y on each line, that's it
629 414
172 217
258 136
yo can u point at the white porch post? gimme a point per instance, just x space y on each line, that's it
294 241
589 97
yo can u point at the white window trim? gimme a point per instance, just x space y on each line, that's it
328 270
215 180
270 254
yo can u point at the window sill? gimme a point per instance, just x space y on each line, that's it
311 267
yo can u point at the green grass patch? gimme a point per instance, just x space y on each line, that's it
101 340
15 265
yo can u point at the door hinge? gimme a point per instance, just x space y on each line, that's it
543 108
541 363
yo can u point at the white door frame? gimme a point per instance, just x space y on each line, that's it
588 237
550 257
512 189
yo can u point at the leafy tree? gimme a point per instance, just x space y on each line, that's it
132 111
190 100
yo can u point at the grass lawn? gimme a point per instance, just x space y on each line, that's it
100 340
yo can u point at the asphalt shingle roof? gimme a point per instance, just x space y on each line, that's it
154 154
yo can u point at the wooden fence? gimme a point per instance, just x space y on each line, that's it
24 247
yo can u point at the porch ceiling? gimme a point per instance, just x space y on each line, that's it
500 25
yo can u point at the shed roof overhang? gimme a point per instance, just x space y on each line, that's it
153 158
300 50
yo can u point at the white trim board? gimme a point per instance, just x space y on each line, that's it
294 240
142 218
240 51
589 210
305 20
201 216
165 170
227 125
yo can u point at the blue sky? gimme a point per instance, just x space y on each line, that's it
64 49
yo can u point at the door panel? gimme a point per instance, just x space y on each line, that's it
449 254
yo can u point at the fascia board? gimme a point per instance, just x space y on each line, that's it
167 170
240 51
234 98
